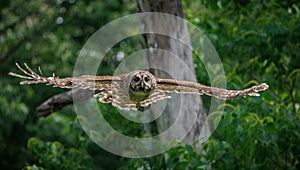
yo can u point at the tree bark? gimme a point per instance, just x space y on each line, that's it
59 101
158 59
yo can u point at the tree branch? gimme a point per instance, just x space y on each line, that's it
57 102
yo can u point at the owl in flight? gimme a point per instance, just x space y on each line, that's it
135 90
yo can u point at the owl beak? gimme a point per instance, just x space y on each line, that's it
142 85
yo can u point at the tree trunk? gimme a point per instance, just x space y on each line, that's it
188 104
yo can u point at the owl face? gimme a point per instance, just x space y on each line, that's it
142 81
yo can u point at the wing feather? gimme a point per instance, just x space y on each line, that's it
177 86
120 98
101 83
154 97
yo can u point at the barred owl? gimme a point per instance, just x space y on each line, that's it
137 89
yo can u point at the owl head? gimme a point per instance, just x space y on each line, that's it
142 81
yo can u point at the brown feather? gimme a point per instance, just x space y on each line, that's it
170 85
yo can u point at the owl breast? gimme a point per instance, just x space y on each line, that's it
138 96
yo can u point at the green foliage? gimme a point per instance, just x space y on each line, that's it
258 41
53 155
258 141
47 34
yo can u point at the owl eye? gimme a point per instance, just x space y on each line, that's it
146 79
136 79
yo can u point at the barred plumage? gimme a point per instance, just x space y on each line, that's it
135 89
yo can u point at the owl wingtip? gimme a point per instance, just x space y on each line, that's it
265 86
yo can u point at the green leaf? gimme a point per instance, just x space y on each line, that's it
269 119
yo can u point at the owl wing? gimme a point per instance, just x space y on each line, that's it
109 89
85 82
178 86
101 84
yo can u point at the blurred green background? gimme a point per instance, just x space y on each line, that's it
257 41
